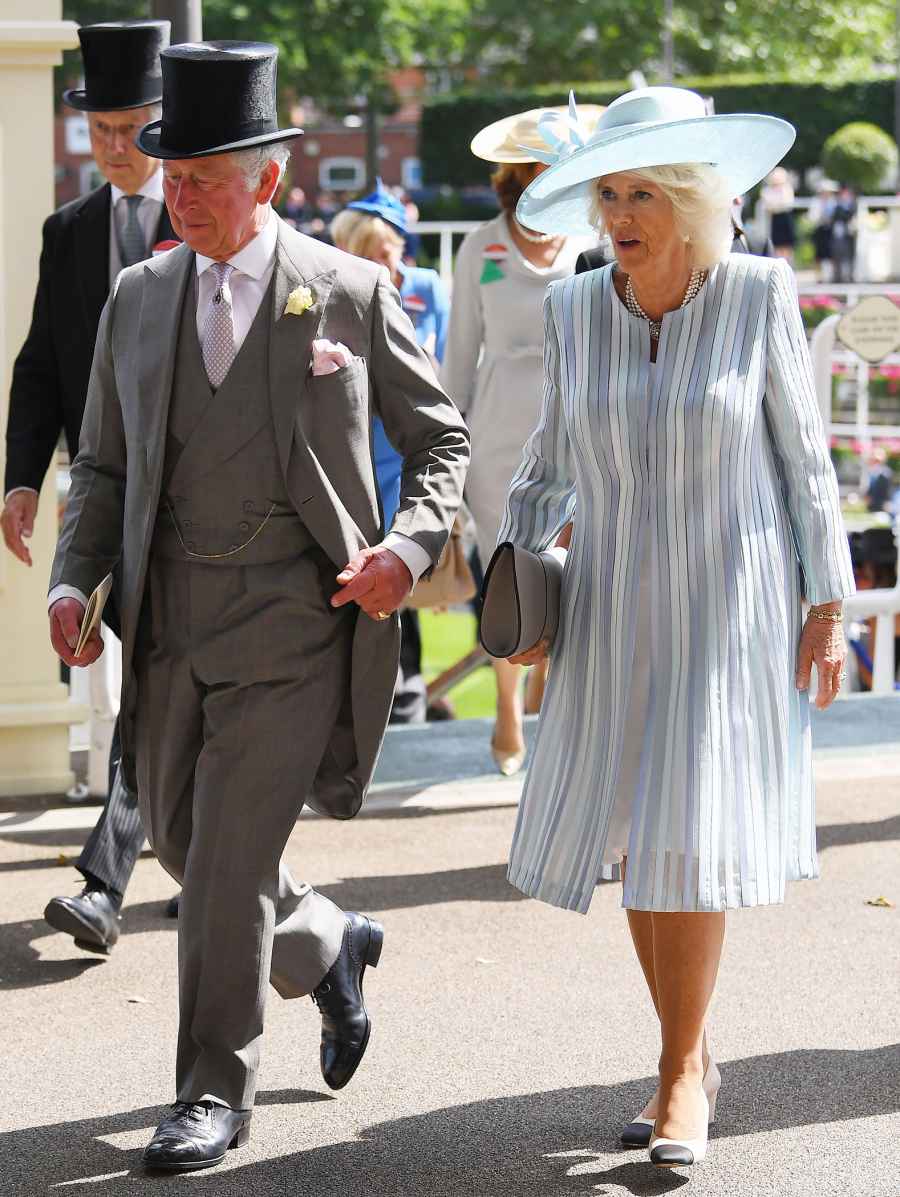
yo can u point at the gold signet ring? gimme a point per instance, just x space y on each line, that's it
383 615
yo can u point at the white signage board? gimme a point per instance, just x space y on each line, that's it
871 329
78 137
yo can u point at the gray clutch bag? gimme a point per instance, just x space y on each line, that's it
520 597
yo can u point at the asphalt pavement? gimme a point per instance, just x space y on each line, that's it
511 1040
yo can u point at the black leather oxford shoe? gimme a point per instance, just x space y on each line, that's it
345 1021
196 1135
92 919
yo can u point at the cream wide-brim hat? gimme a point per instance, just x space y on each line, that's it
513 138
654 126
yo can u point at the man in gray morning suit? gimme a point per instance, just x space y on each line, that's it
233 475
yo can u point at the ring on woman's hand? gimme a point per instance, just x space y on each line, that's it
383 614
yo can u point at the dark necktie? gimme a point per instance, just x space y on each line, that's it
133 246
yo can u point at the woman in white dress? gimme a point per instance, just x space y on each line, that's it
680 418
492 364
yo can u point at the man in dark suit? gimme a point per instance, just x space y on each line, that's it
86 243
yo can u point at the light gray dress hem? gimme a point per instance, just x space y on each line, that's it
579 900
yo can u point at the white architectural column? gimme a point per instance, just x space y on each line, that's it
35 710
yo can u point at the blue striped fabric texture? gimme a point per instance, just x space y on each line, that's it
717 467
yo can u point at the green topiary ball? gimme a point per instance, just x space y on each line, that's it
860 155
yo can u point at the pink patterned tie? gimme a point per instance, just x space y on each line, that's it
218 328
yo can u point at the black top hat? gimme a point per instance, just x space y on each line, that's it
121 65
217 97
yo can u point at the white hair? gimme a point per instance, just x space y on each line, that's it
701 202
254 161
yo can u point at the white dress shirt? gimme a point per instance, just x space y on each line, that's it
149 213
253 266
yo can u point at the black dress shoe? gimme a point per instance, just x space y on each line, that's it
92 919
345 1021
637 1133
196 1135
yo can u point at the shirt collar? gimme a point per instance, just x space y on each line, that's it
257 255
152 189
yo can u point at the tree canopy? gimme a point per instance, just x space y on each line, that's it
337 52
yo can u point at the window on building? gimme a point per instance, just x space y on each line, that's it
342 174
411 174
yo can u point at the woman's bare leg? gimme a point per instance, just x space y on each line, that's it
508 734
687 948
535 683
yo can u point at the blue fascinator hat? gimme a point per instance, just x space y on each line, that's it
653 126
381 203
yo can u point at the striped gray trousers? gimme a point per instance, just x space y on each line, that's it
114 845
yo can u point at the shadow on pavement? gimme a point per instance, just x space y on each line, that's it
842 835
484 883
547 1144
21 966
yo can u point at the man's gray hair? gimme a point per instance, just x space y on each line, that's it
254 161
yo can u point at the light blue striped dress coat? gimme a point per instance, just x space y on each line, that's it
717 468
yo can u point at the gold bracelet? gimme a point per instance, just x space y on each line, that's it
827 616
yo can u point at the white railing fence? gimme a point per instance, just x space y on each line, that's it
877 249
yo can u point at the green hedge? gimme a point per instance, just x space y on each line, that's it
816 109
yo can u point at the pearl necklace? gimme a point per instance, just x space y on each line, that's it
535 238
697 279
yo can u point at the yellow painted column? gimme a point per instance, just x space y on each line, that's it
35 709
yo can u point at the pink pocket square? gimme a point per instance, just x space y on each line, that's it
329 356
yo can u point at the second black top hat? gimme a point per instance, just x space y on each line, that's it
121 65
217 97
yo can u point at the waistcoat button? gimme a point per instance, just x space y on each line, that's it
248 504
244 526
187 524
190 546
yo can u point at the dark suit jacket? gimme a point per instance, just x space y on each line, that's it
593 259
50 376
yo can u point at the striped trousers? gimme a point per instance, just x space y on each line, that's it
114 845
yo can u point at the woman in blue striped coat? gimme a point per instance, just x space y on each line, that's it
681 434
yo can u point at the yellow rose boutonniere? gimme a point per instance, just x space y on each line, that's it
299 301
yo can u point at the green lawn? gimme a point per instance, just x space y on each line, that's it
446 637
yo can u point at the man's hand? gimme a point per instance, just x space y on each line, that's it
376 579
17 522
66 615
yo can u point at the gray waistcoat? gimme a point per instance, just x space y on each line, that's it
224 500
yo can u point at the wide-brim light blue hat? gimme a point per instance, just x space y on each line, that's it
654 126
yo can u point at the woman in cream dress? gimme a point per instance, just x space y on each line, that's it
492 366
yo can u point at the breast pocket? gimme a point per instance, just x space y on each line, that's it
350 381
335 407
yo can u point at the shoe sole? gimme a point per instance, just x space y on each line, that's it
373 955
240 1140
62 918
